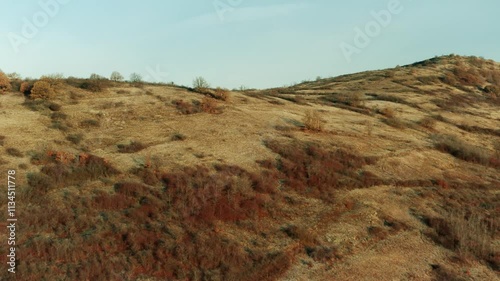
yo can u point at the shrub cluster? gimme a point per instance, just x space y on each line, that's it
469 234
132 147
229 194
26 87
462 150
310 169
5 85
42 90
221 94
210 105
186 107
56 81
427 122
65 169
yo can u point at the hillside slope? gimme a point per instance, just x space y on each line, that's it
159 182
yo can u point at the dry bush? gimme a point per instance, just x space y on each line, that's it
26 87
37 105
186 107
130 189
113 201
312 121
58 116
116 76
427 122
71 169
14 152
5 85
355 99
75 138
349 99
479 130
56 81
468 76
388 112
228 195
94 85
39 183
41 90
476 61
428 80
492 90
2 140
460 149
222 94
304 235
470 234
54 106
137 229
491 76
60 125
395 123
123 92
178 137
210 105
449 79
322 253
132 147
312 170
89 123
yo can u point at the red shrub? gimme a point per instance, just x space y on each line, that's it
308 168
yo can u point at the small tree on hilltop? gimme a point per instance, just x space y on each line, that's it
135 78
116 76
5 85
200 82
95 76
14 76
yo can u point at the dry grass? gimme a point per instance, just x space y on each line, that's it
427 122
470 234
462 150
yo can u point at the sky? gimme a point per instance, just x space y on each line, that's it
233 43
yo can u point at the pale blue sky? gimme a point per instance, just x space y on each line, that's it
255 43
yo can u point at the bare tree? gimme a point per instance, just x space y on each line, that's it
95 76
135 78
116 76
14 76
200 82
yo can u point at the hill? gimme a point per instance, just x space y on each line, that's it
381 175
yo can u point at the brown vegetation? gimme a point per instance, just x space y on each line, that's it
42 90
310 169
5 85
132 147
